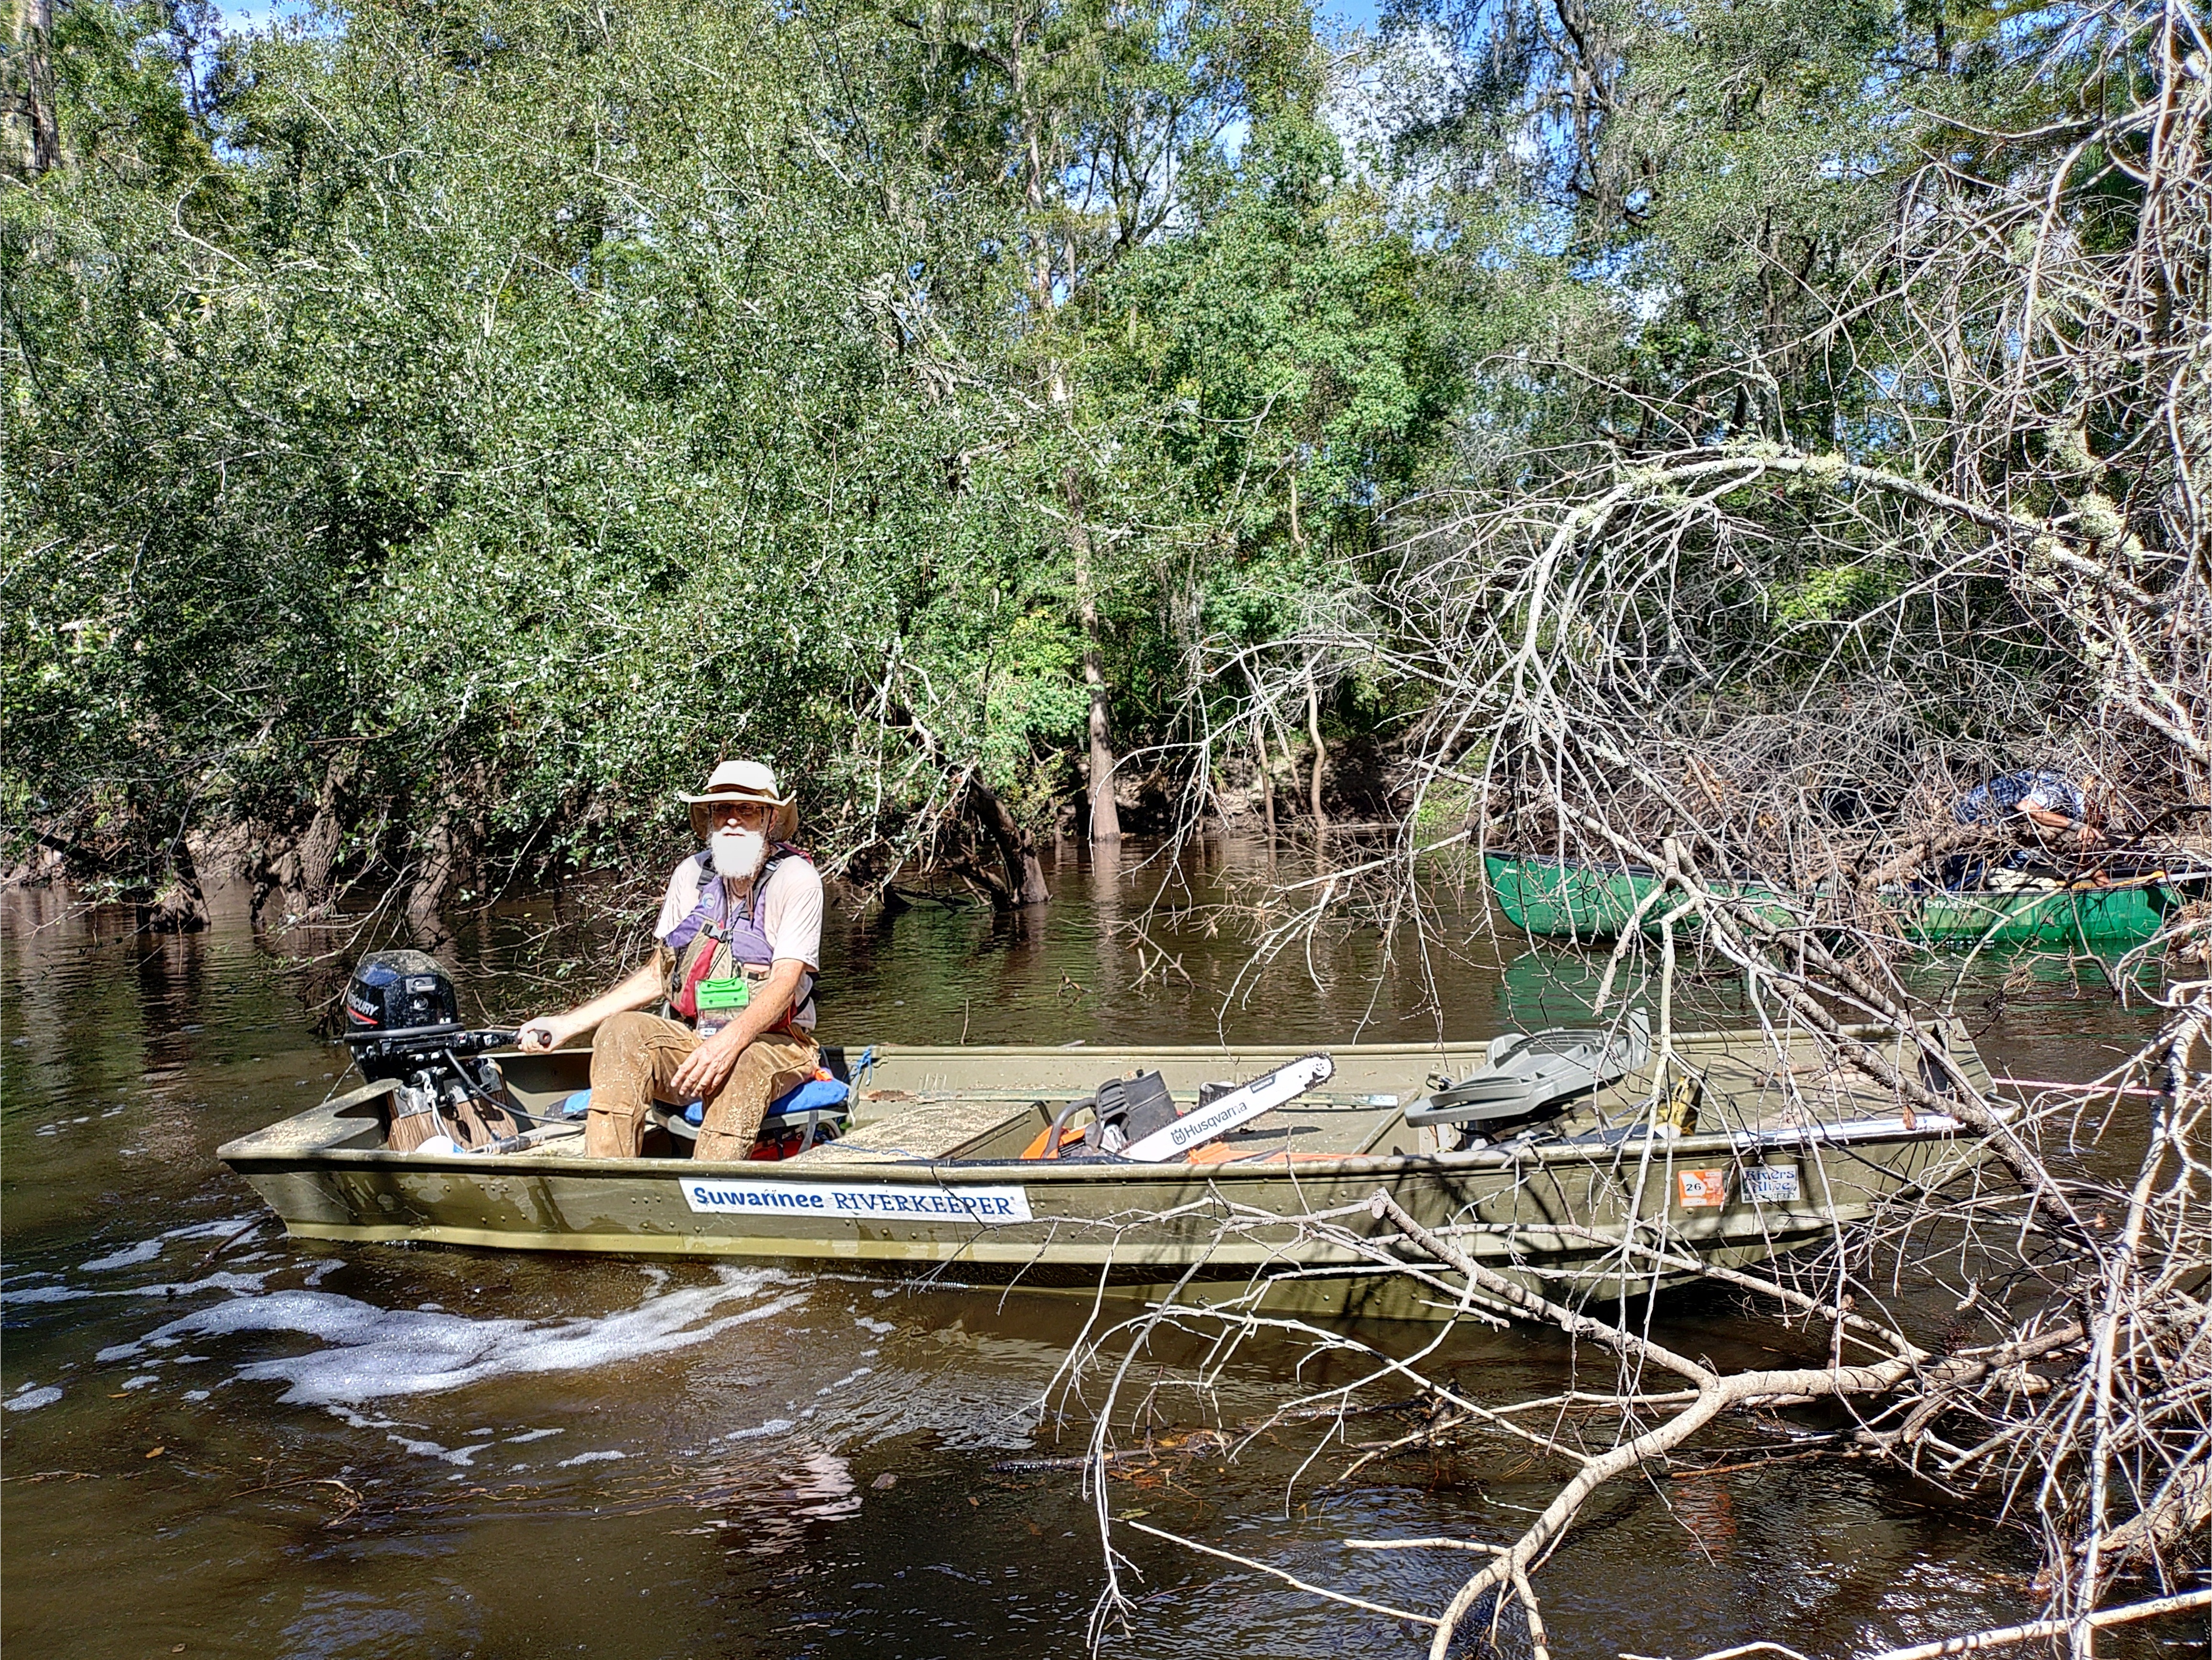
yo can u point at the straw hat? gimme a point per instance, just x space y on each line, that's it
744 781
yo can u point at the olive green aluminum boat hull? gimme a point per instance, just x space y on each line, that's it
933 1184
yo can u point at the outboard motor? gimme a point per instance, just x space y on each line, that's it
1531 1078
402 1022
399 1007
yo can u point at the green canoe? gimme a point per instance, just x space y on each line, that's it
1570 898
2085 917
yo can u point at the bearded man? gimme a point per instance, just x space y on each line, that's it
739 943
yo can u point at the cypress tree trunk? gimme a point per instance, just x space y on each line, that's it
31 96
1320 750
179 906
1105 816
434 876
319 847
1267 783
448 855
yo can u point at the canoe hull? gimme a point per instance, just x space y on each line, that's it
2069 917
1568 899
1565 898
1571 899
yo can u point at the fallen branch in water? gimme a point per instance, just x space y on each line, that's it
1304 1586
2006 1636
1992 1417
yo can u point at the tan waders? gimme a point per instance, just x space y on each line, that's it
634 1057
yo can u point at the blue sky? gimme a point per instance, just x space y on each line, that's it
239 19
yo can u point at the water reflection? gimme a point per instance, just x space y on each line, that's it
223 1440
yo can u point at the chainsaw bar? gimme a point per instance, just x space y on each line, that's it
1239 1107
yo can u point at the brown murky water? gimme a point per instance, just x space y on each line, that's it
220 1442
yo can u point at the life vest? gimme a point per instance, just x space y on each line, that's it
719 938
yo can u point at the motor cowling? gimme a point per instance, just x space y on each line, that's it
403 1026
394 991
400 1006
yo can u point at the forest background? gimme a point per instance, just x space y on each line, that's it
1706 435
436 431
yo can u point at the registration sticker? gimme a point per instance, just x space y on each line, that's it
1701 1188
857 1202
1770 1184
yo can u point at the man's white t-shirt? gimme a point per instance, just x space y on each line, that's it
789 914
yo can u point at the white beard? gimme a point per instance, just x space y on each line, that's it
737 854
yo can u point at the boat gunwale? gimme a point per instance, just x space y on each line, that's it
242 1151
2157 875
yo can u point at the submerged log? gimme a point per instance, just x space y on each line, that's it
179 905
1025 880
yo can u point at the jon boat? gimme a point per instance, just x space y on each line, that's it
930 1177
1571 898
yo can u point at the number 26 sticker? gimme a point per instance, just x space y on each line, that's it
1701 1188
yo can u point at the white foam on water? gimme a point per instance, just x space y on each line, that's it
531 1435
243 1284
414 1444
147 1249
774 1426
589 1458
433 1449
238 1283
28 1399
370 1353
144 1251
47 1294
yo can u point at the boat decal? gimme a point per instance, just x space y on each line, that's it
1769 1185
1701 1188
992 1206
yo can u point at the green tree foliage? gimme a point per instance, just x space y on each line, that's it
437 430
545 403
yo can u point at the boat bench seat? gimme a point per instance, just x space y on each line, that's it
969 1127
951 1127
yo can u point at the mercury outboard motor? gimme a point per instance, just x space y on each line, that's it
400 1008
403 1022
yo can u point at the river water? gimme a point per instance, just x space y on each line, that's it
221 1442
